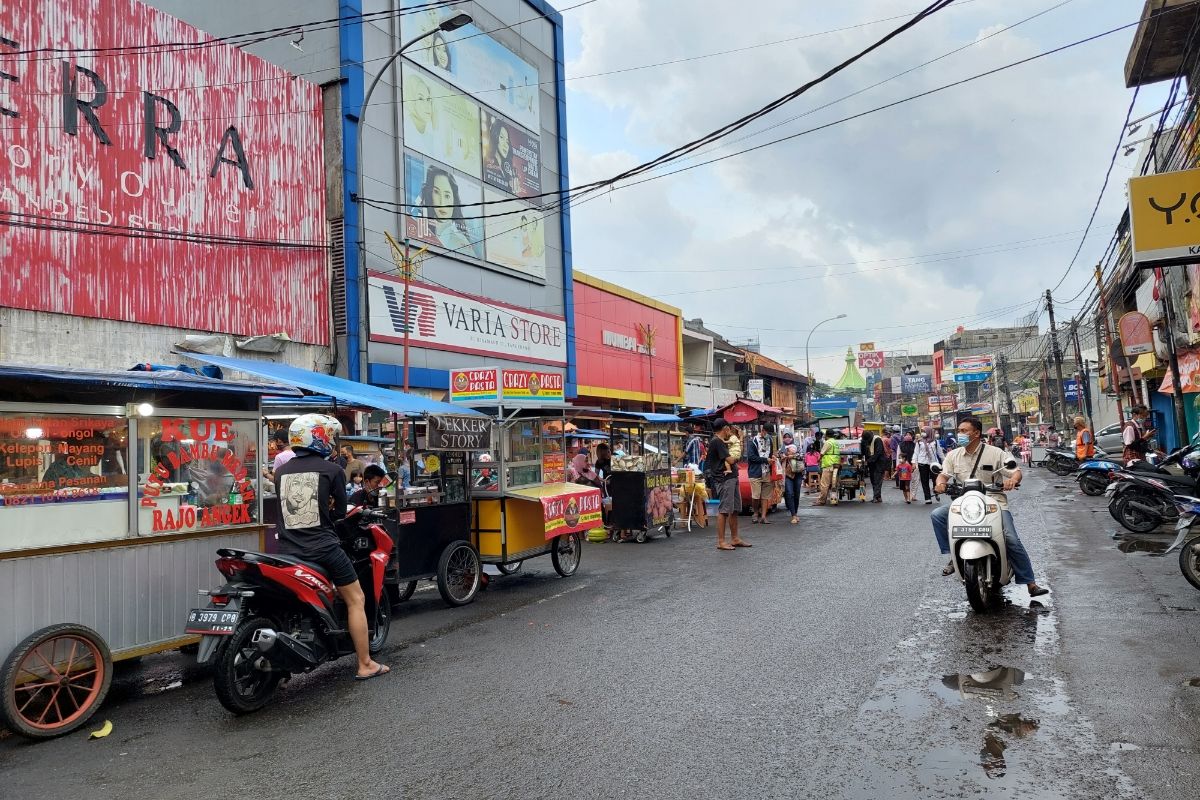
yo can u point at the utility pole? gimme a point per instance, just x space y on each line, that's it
1106 344
1007 390
1047 399
1082 384
1057 353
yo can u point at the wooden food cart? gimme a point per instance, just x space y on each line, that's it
640 484
116 488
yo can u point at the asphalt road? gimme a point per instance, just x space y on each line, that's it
830 660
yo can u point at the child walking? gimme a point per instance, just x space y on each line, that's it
904 473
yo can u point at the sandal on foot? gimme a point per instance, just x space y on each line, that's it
948 570
384 669
724 547
742 544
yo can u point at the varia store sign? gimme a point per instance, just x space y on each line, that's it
142 174
439 319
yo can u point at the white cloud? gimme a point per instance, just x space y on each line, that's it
1003 159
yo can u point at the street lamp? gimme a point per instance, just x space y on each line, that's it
452 24
808 366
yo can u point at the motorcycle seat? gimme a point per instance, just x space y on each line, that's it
277 559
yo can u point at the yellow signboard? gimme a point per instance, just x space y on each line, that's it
866 347
1165 214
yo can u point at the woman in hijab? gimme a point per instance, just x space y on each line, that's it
876 458
581 471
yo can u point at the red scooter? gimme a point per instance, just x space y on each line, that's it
277 615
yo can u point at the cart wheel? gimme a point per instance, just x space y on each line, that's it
510 569
641 537
459 571
399 593
54 681
565 554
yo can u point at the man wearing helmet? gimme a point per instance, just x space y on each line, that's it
312 490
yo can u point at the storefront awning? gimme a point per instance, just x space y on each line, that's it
645 416
344 391
174 380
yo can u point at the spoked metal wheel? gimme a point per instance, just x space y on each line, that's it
1189 562
510 569
242 685
459 571
399 593
565 554
54 681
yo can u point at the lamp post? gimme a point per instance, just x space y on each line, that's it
807 365
452 24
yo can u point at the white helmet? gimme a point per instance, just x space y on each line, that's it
316 432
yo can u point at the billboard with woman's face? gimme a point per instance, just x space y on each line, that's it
440 125
516 236
475 62
436 196
511 157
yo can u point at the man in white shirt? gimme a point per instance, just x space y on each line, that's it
975 459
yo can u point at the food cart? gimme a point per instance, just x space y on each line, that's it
116 488
641 480
429 520
523 507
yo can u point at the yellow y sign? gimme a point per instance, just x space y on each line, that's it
1165 214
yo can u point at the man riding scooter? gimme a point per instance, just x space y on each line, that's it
974 459
313 495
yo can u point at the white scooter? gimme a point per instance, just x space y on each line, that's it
977 545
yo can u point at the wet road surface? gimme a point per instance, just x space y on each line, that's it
829 660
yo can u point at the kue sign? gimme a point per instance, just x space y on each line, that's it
1164 212
164 185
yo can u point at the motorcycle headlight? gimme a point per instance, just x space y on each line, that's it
972 509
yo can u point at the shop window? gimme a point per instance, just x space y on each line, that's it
63 479
196 474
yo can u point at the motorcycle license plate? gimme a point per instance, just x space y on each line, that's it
212 621
970 531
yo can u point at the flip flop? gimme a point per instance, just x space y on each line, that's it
724 547
742 544
754 520
384 669
947 570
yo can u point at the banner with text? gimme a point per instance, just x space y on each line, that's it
439 319
972 369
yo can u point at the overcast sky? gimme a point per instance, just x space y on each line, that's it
883 218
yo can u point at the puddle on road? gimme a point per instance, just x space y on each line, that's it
1141 544
993 684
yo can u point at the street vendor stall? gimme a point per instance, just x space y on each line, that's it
429 520
746 416
525 508
640 484
116 488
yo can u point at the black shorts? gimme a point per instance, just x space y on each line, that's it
333 559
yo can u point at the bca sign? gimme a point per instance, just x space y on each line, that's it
1164 212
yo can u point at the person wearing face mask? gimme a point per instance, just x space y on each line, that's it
928 451
976 459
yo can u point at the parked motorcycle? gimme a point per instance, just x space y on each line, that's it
1094 475
977 546
1061 461
277 615
1142 495
1189 550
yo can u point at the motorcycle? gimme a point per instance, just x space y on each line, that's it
277 615
1061 461
1095 474
1189 551
1141 496
977 546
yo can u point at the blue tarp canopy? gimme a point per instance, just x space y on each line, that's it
344 391
645 416
141 378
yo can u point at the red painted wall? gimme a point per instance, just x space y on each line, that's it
614 368
82 187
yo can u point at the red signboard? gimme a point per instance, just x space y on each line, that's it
611 348
871 359
576 510
180 186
